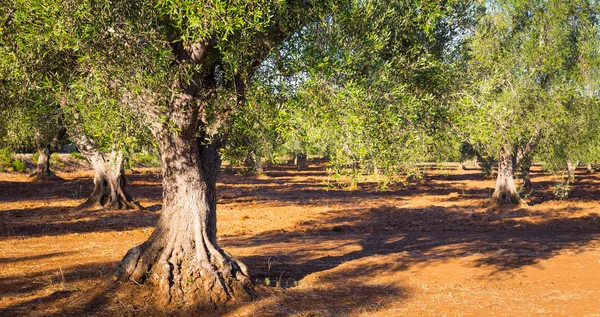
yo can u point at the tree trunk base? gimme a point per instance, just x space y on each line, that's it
40 175
590 169
185 277
119 204
506 197
106 199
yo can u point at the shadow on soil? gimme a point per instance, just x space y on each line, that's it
78 188
382 240
62 298
399 239
52 221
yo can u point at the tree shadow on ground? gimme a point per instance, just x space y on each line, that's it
336 248
303 191
52 221
503 241
388 239
337 294
59 287
585 187
55 189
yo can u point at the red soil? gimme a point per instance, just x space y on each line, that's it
431 248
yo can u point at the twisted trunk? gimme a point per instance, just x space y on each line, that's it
43 164
301 161
109 183
525 171
182 257
505 191
109 177
254 162
44 151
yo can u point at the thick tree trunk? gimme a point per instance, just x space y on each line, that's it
182 257
505 191
254 162
43 164
590 168
109 183
44 151
109 176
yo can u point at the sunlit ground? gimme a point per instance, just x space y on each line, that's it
432 248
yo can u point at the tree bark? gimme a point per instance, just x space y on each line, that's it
525 171
301 161
44 151
43 164
505 191
109 177
182 257
254 162
571 169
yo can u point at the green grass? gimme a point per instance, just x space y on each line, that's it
9 163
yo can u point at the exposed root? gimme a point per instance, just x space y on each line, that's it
106 202
506 198
110 197
185 276
39 175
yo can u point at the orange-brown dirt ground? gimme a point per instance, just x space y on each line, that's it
434 247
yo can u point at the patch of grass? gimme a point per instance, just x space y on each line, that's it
77 155
57 161
9 163
18 166
35 157
5 157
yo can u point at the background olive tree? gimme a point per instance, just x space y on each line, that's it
529 63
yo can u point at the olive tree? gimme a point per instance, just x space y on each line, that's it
52 84
525 66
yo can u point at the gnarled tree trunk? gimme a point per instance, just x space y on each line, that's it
44 151
505 191
43 164
109 177
182 257
526 173
109 183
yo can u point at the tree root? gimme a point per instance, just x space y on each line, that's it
43 175
103 197
506 198
182 276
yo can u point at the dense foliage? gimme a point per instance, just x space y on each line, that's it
376 86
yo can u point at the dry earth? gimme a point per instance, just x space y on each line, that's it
432 248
